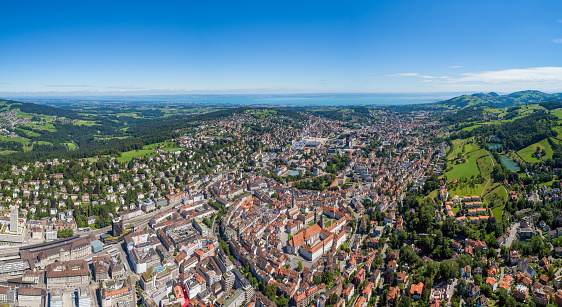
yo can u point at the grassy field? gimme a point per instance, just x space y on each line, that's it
128 155
70 146
29 133
559 130
527 152
495 196
455 209
485 164
471 128
467 190
456 144
130 114
264 114
548 183
148 150
45 126
497 213
18 139
85 123
470 167
557 113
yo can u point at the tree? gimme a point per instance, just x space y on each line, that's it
299 266
334 298
510 302
502 296
478 280
406 301
461 286
328 279
65 233
486 290
388 277
384 296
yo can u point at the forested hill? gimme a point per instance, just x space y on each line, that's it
34 108
520 133
495 100
34 132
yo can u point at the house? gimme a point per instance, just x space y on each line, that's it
401 277
520 293
465 272
472 290
540 297
514 257
491 281
416 290
558 298
544 279
481 301
393 295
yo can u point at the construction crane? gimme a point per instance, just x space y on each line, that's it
454 259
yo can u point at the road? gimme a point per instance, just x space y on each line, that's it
381 279
501 275
458 148
512 235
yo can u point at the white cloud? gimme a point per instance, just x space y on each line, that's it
411 74
559 20
540 78
557 40
527 75
455 66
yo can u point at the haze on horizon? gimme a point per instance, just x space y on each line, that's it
175 47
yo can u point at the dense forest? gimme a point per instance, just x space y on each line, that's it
519 133
42 109
111 134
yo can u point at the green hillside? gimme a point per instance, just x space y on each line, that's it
495 100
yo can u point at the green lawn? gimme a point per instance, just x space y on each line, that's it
128 155
548 183
46 126
470 167
130 114
559 130
496 196
471 128
497 212
467 190
527 152
457 143
148 150
29 133
18 139
485 164
455 209
85 123
557 113
70 146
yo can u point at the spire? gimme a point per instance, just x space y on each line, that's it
293 201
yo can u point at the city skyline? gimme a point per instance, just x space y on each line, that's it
255 47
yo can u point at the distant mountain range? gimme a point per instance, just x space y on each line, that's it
494 100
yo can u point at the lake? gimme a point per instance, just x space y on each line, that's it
510 164
319 99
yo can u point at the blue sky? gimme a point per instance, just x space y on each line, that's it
171 47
